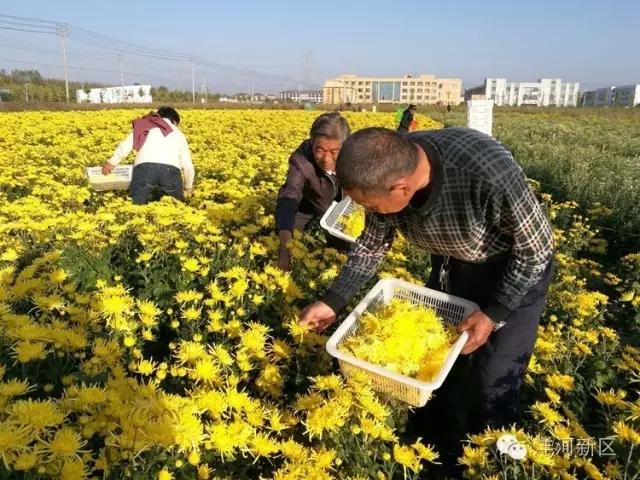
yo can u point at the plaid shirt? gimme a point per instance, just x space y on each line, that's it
479 208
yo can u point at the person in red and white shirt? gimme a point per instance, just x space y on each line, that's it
162 158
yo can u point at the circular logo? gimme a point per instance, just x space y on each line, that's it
504 442
508 444
517 451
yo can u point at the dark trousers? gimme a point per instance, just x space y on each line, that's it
303 222
482 388
151 181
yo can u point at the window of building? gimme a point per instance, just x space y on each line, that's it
405 83
404 90
418 97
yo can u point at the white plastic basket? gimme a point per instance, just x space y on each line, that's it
118 179
410 390
330 221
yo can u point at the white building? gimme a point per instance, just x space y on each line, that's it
312 96
126 94
543 93
623 96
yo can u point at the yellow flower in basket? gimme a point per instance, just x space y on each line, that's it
402 337
353 223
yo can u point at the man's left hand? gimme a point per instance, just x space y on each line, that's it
479 327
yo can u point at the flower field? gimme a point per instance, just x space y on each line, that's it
161 341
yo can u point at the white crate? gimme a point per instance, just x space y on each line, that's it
118 179
410 390
330 221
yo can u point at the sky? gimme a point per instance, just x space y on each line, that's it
591 42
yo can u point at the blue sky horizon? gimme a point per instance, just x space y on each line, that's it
581 41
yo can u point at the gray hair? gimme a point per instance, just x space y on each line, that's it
372 159
330 125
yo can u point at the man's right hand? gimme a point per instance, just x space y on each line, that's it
284 259
317 316
107 168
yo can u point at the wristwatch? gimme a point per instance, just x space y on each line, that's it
497 325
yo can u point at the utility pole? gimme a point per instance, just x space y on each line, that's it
121 72
193 81
204 86
63 31
307 60
26 93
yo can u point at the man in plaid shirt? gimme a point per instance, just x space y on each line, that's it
460 195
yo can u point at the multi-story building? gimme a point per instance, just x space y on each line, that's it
417 89
604 96
543 93
601 97
588 99
623 96
335 92
312 96
627 96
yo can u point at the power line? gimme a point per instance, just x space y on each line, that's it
84 68
39 48
3 27
28 19
35 25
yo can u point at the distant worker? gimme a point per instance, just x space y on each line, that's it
407 119
162 158
311 185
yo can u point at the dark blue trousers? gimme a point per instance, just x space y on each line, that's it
482 388
151 181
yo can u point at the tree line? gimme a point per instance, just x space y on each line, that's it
31 86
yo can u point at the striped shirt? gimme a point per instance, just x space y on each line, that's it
479 208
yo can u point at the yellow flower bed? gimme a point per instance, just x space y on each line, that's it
403 338
161 341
